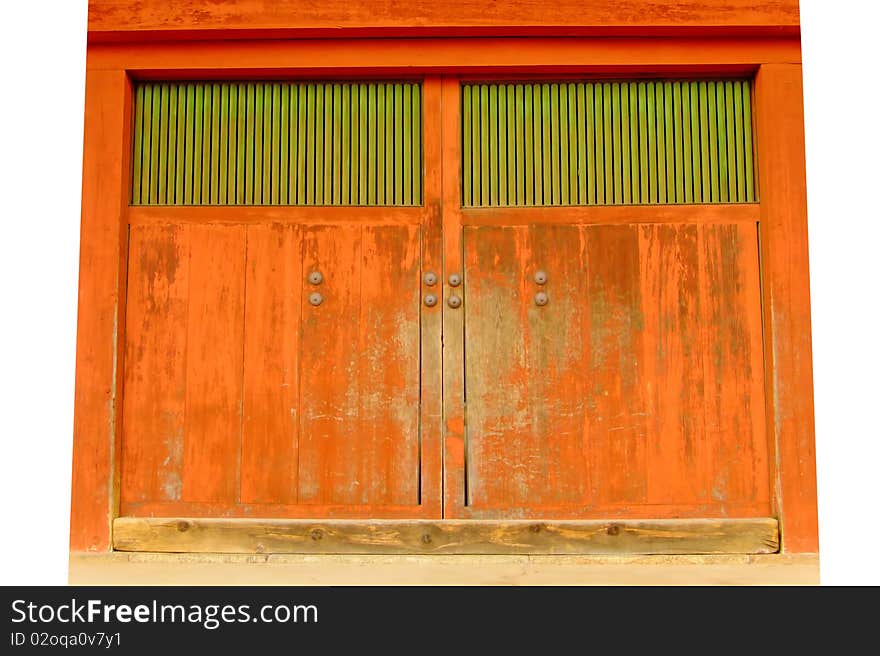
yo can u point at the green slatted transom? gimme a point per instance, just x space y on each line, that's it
607 143
277 143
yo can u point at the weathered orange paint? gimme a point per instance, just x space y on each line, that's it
197 19
238 453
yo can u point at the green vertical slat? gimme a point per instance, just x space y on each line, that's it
590 123
232 145
381 150
271 145
398 145
616 145
283 125
730 140
645 176
485 171
581 121
137 145
155 129
678 142
293 155
538 143
696 165
571 92
705 155
687 150
241 130
345 147
546 158
255 142
207 106
180 139
603 194
316 179
660 108
653 151
561 153
466 154
355 143
171 166
215 145
738 145
407 162
712 141
502 144
493 143
309 153
555 146
162 184
417 144
372 164
337 160
329 163
748 154
188 145
223 172
363 147
389 144
302 103
635 181
528 146
626 164
511 145
669 133
723 169
198 139
518 143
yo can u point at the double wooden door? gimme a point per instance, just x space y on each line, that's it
443 360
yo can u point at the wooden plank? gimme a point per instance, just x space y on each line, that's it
199 18
418 161
524 431
453 449
215 323
156 360
695 536
360 371
270 395
786 290
100 321
431 319
255 214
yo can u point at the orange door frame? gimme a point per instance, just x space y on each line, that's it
781 214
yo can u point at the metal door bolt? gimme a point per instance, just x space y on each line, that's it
541 277
454 301
541 299
315 299
454 280
316 277
430 279
430 300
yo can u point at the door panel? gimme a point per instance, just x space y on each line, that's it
242 398
636 391
360 376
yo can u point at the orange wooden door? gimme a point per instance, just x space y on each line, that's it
635 391
254 387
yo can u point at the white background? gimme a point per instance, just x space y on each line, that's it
41 118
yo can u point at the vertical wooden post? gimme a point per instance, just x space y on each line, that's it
99 324
432 318
786 293
454 465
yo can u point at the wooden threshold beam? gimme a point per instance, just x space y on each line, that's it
292 536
